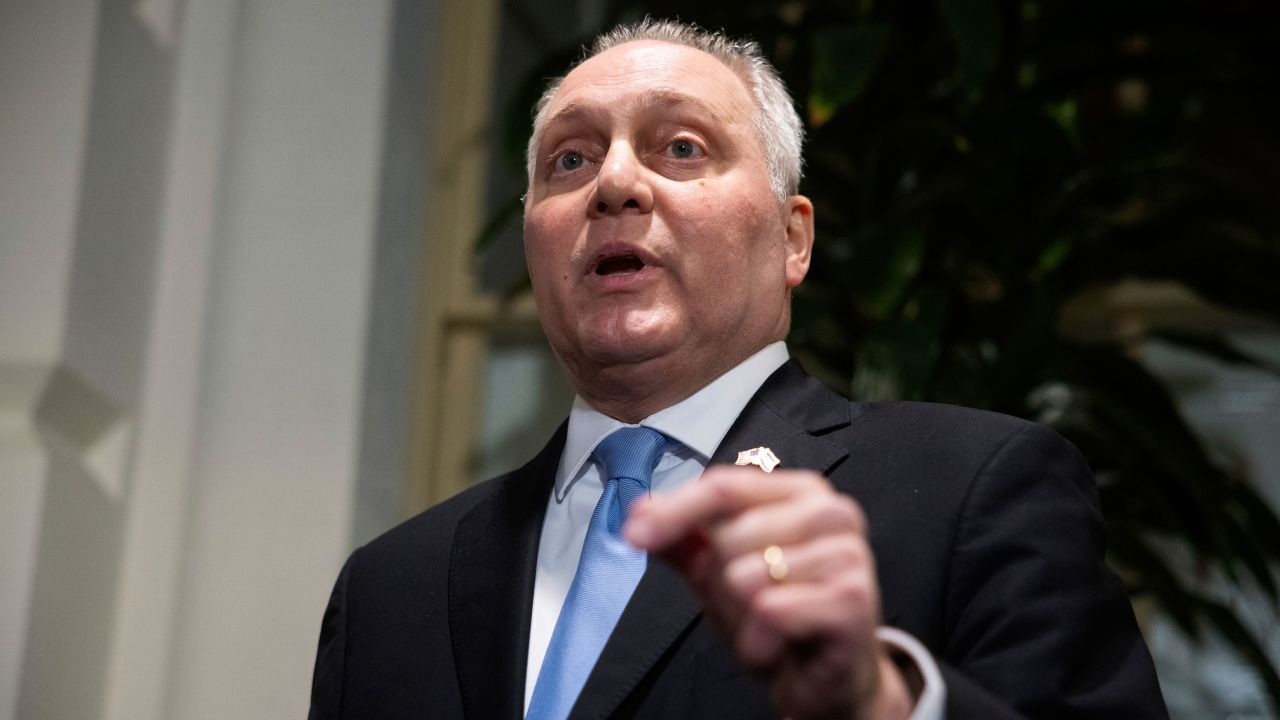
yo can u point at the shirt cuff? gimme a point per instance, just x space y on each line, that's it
931 705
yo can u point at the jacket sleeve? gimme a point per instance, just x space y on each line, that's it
327 679
1036 624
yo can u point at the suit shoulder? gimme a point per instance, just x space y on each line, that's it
917 419
937 412
951 441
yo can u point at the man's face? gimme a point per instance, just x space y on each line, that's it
652 234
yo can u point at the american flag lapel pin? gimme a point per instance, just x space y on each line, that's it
762 457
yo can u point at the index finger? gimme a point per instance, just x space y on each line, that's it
723 491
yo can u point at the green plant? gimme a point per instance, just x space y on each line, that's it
978 165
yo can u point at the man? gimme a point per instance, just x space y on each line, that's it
901 560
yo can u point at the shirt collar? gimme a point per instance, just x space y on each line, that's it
699 422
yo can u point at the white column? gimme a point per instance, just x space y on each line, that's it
188 202
277 417
46 52
152 561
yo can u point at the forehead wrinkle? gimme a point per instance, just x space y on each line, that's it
649 101
664 99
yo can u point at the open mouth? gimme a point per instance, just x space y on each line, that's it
619 264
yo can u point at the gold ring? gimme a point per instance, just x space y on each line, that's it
776 563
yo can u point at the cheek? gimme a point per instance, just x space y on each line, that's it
730 231
548 243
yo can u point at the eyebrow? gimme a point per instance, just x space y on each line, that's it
659 99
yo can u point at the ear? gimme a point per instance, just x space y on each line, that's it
799 238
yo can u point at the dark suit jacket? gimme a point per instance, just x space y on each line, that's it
988 545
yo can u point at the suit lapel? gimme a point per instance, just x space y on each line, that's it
788 414
661 609
491 575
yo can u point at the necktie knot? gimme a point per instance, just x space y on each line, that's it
629 456
632 453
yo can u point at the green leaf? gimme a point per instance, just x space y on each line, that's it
1150 570
1253 558
1066 115
1258 521
884 269
899 359
1052 257
978 32
845 58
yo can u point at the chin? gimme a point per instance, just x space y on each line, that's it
615 349
628 338
608 354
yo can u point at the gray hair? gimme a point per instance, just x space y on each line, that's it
775 119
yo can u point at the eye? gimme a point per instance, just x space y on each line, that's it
685 149
570 161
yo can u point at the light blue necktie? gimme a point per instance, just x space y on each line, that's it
608 573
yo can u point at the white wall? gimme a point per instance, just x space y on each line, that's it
190 204
274 469
46 60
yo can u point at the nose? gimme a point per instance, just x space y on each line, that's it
622 183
